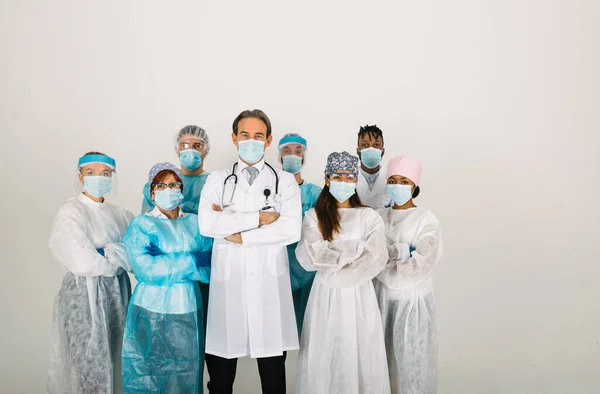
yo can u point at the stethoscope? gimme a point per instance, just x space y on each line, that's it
266 192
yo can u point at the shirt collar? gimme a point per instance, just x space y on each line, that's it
371 178
259 166
156 213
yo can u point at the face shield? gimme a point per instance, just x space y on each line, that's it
96 175
292 153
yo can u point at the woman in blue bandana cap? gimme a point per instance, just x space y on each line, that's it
192 146
91 305
163 348
342 350
292 150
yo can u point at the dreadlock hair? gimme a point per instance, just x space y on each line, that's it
372 131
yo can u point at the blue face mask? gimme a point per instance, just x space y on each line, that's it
371 157
292 164
97 186
342 191
251 151
190 159
400 194
168 199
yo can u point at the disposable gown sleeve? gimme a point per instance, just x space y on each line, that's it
398 251
71 246
221 224
116 254
157 267
286 229
416 268
203 257
344 264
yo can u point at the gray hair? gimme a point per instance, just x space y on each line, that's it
193 131
283 146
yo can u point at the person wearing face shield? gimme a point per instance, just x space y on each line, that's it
163 346
253 212
342 350
405 288
371 187
91 305
292 151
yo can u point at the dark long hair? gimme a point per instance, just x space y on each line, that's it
328 214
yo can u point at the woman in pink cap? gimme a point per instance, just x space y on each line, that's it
404 288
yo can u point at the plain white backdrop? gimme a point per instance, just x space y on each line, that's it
498 99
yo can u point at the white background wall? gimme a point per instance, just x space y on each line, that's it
499 100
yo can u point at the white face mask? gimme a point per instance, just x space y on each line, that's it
168 199
400 194
251 151
342 191
97 186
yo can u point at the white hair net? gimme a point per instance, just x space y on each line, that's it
193 131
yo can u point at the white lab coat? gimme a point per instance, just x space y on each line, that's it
342 347
250 309
405 295
376 198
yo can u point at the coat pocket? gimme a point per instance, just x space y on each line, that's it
221 263
278 260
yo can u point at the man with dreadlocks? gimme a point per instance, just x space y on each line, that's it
371 187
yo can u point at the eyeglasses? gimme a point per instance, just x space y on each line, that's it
199 146
350 178
163 186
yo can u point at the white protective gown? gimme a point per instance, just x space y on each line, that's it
91 305
405 294
250 309
376 197
342 348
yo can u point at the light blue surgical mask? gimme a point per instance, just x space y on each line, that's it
97 186
342 191
168 199
292 164
190 159
371 157
251 151
400 194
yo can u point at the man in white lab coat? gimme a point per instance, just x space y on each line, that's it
253 212
371 187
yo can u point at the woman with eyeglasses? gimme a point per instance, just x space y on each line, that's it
405 288
192 146
91 305
342 348
163 347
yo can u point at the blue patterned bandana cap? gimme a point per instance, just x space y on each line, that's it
162 167
341 161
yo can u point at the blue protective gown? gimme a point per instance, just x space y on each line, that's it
192 188
163 347
301 279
